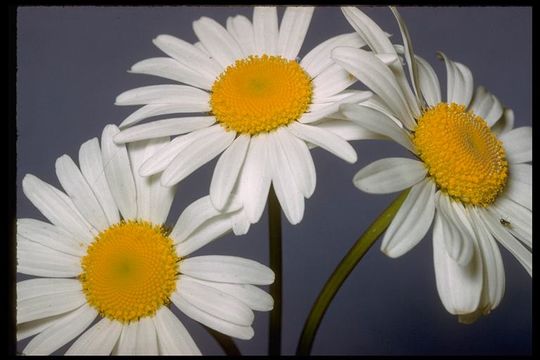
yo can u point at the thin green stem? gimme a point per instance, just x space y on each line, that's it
274 229
226 343
355 254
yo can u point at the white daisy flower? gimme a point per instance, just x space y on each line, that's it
107 253
263 109
470 176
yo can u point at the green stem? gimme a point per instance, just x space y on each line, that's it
274 229
355 254
226 343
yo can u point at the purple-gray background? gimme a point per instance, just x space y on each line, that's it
72 63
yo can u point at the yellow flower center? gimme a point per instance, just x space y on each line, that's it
129 271
260 93
461 153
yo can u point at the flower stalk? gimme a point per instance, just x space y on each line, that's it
274 228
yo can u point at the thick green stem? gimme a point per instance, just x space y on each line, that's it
226 343
274 228
355 254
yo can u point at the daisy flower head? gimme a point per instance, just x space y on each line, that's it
470 176
106 254
262 108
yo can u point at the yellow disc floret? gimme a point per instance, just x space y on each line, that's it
260 93
129 270
463 156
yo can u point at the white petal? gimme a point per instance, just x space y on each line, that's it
519 186
494 278
265 30
209 231
254 297
293 29
288 192
216 39
377 77
79 191
242 30
300 161
195 156
57 207
41 303
486 105
519 219
255 178
368 30
37 287
504 124
330 106
429 82
39 260
61 332
520 252
331 81
229 269
459 286
347 129
389 175
459 82
31 328
412 220
165 94
319 58
171 69
118 172
138 338
518 144
241 223
225 327
227 170
50 236
91 164
188 55
325 139
100 339
377 122
195 215
214 302
163 109
457 232
173 337
160 160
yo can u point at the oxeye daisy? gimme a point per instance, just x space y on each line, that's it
470 176
107 255
262 108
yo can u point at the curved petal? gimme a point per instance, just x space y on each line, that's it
368 30
172 336
412 220
215 302
61 332
171 69
325 139
486 106
347 129
57 207
118 173
319 58
265 30
389 175
459 81
293 29
91 164
504 124
428 82
459 286
378 77
100 339
75 185
517 219
226 171
217 40
230 269
195 156
242 30
518 144
330 106
331 81
208 232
